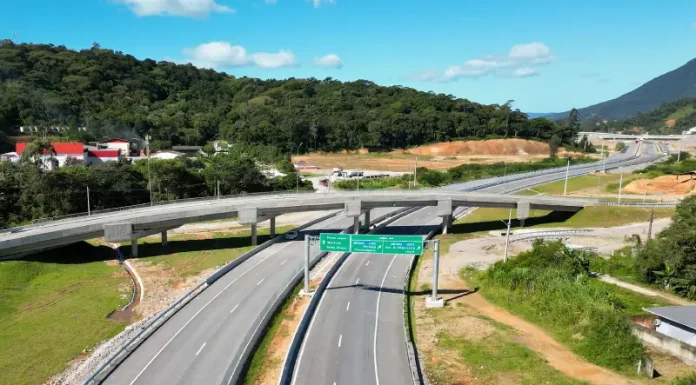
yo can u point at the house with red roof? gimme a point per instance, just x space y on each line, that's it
64 150
101 156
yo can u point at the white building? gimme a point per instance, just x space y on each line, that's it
678 322
166 154
118 144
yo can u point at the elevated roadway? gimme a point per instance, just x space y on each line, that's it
357 334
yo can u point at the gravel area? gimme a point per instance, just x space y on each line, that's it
483 252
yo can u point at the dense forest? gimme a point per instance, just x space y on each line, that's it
116 95
672 86
658 121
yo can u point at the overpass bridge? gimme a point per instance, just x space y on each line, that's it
132 224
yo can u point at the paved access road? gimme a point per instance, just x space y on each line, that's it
197 345
357 334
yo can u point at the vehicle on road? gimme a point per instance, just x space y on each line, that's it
292 234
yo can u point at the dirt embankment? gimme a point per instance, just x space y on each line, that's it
483 147
668 185
437 156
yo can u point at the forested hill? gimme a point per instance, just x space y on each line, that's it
674 85
670 118
114 94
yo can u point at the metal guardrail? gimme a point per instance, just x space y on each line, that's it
647 205
163 316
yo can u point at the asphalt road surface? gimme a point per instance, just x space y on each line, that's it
197 344
357 334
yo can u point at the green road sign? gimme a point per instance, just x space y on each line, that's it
375 244
334 242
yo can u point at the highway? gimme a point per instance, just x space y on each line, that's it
357 334
197 344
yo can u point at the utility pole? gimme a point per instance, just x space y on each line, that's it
565 185
415 173
507 236
89 210
679 152
149 174
218 188
652 217
604 159
620 186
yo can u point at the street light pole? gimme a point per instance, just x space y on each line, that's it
415 173
149 174
507 236
297 172
89 211
620 186
604 159
565 185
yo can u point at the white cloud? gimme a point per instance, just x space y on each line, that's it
220 54
521 61
317 3
190 8
329 61
525 72
535 53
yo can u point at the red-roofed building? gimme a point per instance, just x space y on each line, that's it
64 150
101 156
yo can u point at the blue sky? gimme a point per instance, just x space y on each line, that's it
546 55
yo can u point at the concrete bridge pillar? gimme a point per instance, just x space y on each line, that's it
354 209
164 238
366 225
134 247
446 223
444 211
254 237
273 228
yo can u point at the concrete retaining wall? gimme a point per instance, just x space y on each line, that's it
686 353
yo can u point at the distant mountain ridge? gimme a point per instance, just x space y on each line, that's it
674 85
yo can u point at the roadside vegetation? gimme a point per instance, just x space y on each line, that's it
668 261
463 173
670 166
550 285
27 192
54 306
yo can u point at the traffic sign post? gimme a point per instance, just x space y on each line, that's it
373 244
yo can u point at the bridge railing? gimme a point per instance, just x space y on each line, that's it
276 194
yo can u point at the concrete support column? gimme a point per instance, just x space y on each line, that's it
254 238
164 238
272 230
134 247
367 220
446 222
356 225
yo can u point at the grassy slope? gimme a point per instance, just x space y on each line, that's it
567 325
53 306
681 113
604 216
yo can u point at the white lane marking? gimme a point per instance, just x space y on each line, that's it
348 306
357 281
368 263
340 338
282 263
199 312
379 297
235 308
201 349
262 279
311 324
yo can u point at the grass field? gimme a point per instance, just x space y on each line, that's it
487 219
53 306
468 347
585 314
681 113
190 254
598 183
